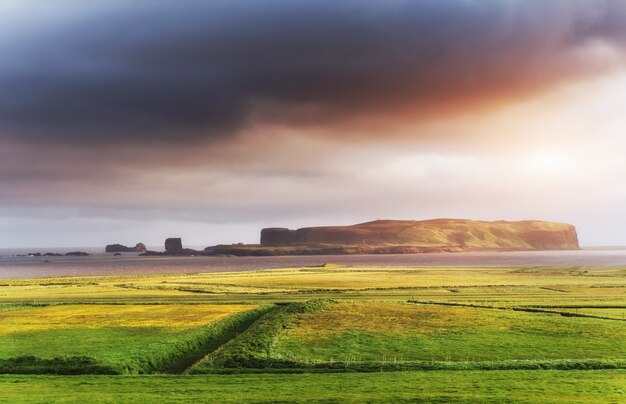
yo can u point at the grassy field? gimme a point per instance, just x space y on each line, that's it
319 333
510 286
437 386
117 338
406 332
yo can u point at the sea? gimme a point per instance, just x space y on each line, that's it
16 263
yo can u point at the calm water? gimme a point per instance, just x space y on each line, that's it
101 264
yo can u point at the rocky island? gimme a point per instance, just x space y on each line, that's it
396 237
174 246
410 236
119 248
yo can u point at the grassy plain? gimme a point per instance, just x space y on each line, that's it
118 338
406 332
518 386
508 286
326 317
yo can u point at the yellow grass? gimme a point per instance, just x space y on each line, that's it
175 316
497 285
85 292
386 318
363 278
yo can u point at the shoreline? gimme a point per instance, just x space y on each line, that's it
108 265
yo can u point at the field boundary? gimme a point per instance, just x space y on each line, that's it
252 349
281 366
515 308
223 331
65 365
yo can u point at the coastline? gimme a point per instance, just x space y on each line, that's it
131 264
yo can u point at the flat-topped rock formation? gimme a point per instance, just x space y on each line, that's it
447 234
173 245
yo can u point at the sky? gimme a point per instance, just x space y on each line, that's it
124 121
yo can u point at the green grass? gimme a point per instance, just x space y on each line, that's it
254 347
436 387
135 348
333 336
384 332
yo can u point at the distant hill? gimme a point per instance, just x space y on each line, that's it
465 234
410 236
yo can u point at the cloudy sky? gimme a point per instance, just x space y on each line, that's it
126 121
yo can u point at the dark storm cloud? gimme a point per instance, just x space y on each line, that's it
160 70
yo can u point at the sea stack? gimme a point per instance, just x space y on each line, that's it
173 245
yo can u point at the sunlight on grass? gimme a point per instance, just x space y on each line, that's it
378 331
112 316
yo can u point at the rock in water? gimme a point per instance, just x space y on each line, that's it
119 248
173 245
51 254
116 248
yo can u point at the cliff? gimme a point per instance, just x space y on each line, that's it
436 235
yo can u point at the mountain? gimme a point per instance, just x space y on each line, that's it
439 233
